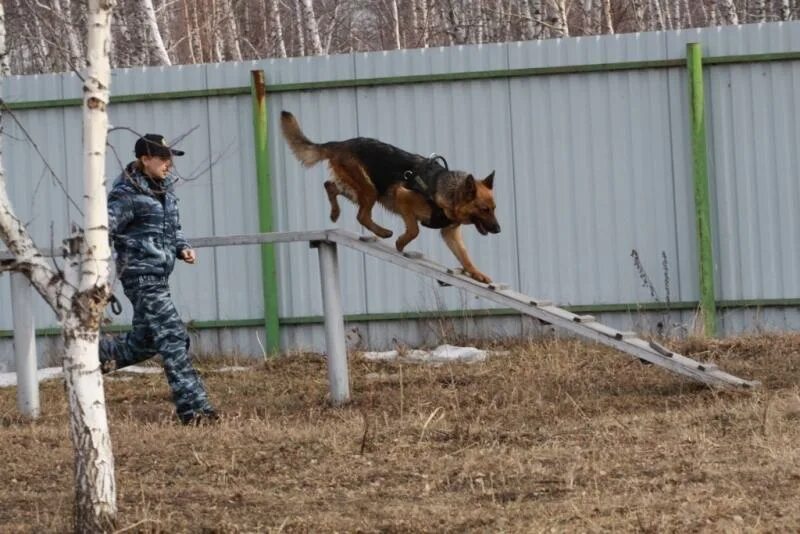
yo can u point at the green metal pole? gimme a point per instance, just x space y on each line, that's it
708 306
269 272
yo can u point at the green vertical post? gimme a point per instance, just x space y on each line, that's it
269 272
708 304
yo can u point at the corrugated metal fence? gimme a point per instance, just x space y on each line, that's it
589 138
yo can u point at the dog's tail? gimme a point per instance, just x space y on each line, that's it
308 152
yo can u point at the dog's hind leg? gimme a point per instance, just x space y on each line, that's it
333 191
366 201
404 205
354 183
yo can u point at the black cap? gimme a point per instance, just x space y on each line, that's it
155 145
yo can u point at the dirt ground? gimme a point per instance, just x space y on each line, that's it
557 436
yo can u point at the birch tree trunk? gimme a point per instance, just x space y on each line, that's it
41 47
5 71
217 48
687 15
95 499
704 12
301 40
656 16
311 26
157 48
79 296
668 19
727 10
277 28
195 35
480 21
529 28
190 34
539 8
786 10
639 9
758 10
64 14
560 25
165 17
332 29
593 17
608 23
424 23
396 25
231 32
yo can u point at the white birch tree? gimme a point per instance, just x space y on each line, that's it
687 14
529 27
396 25
758 11
311 27
786 10
230 30
78 296
301 40
423 14
149 20
727 10
608 23
560 25
63 11
655 19
277 28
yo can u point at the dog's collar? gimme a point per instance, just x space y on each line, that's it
438 218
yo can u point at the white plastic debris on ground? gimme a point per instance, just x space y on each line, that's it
441 354
232 369
51 373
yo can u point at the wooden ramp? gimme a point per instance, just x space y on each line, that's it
583 325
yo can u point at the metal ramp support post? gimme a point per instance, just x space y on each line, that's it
338 373
24 345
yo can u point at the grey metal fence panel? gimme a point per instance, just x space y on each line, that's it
755 116
594 168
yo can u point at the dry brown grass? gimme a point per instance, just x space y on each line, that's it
557 436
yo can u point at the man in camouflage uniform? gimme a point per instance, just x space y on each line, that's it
145 228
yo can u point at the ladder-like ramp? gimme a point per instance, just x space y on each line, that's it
583 325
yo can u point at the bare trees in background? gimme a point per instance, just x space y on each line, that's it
45 36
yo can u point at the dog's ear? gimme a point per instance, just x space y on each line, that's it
489 180
469 189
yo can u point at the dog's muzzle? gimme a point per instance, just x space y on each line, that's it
483 228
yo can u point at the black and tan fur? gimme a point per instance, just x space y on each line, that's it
367 171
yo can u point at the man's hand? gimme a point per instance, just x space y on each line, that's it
188 255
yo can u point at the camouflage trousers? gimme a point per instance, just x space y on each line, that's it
157 329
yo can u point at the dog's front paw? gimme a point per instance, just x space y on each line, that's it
480 277
384 233
335 212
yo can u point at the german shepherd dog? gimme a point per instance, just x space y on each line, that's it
421 190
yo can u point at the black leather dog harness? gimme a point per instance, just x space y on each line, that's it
424 180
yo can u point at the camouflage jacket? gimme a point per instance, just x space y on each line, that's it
144 225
